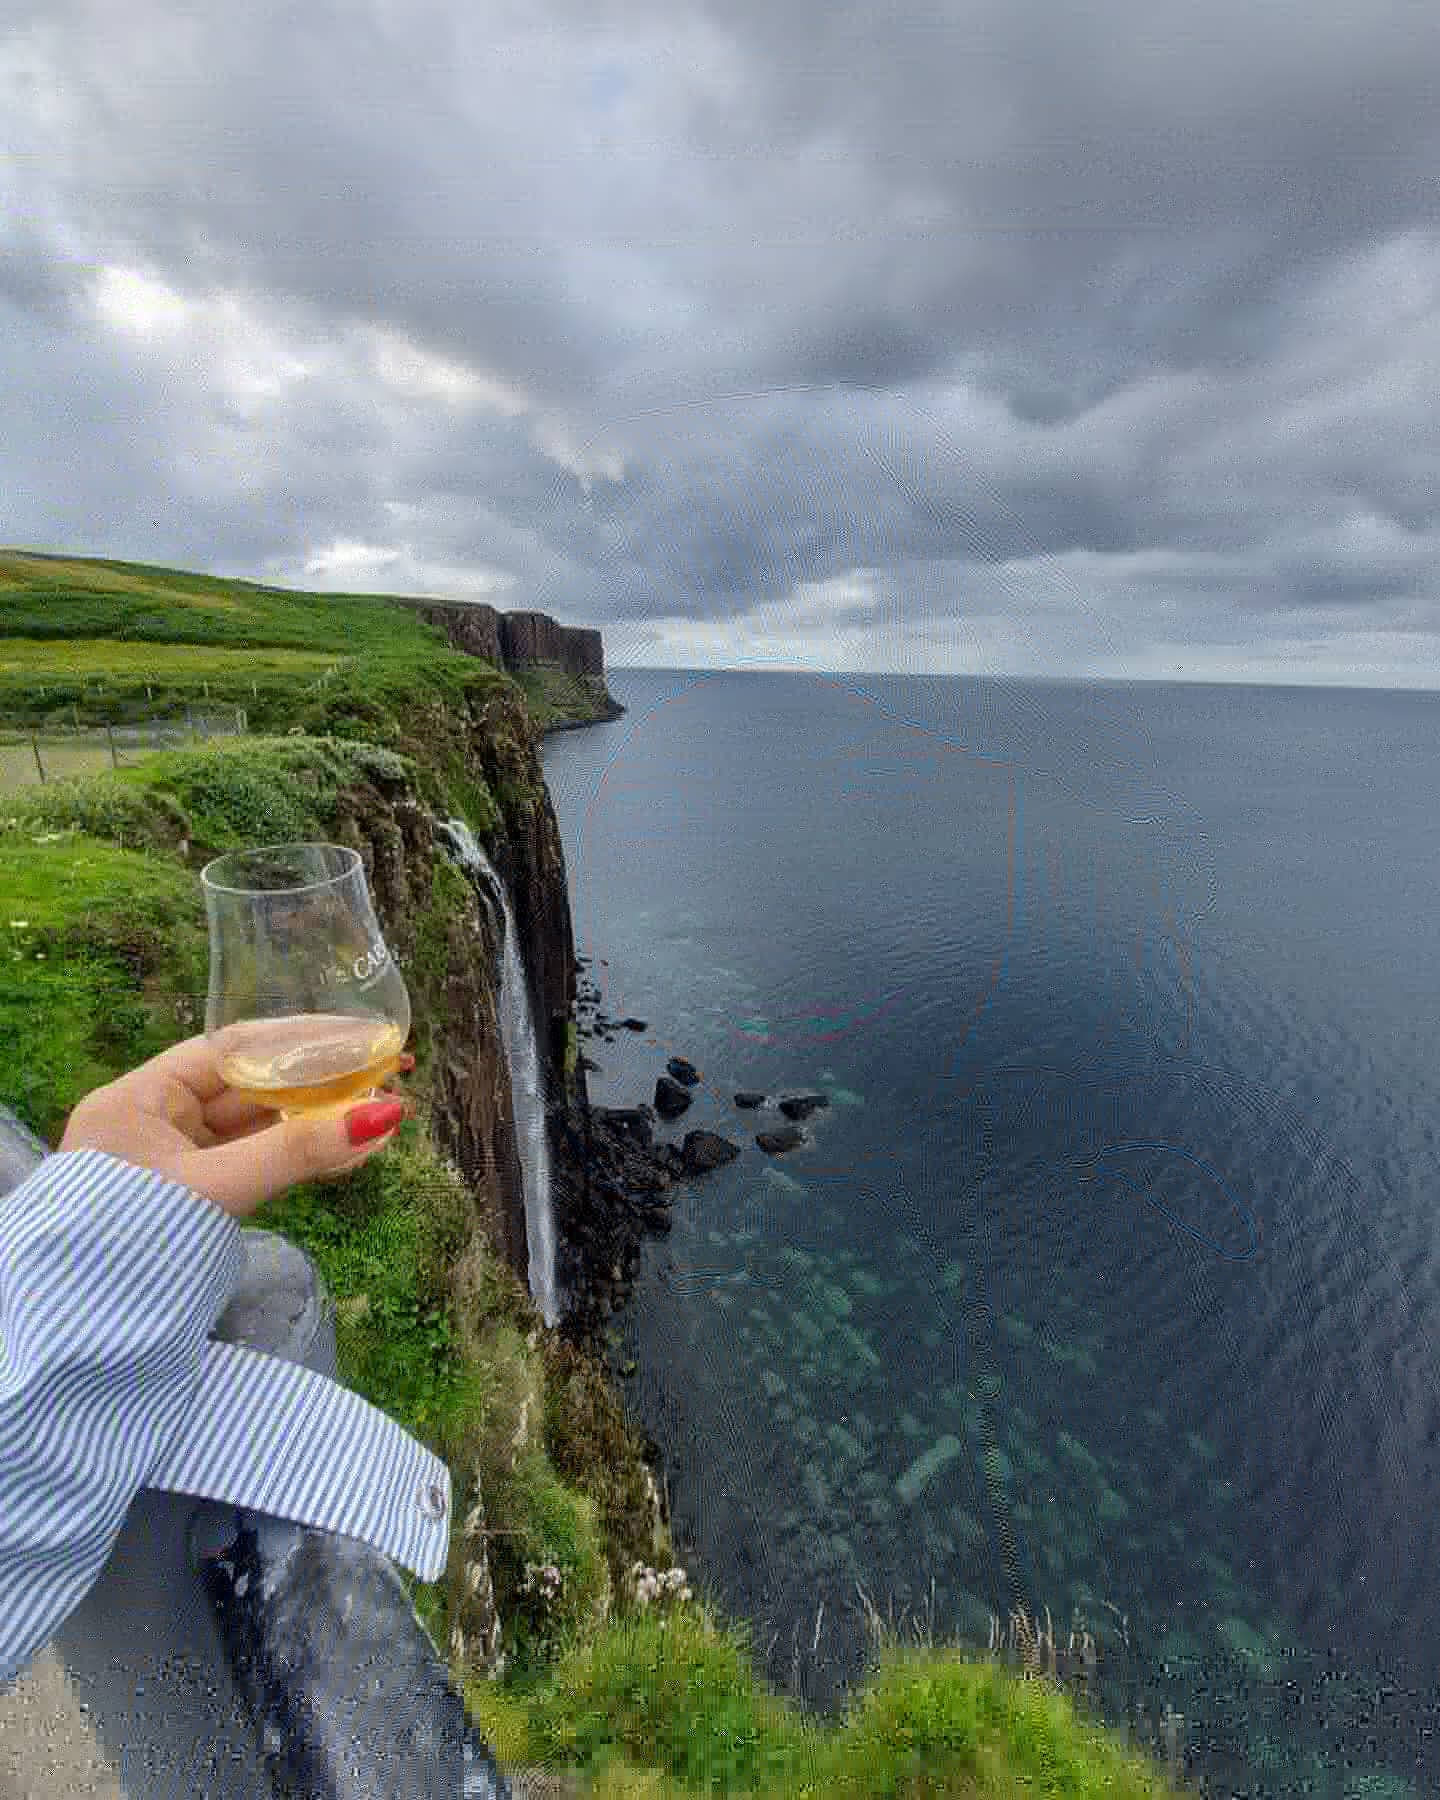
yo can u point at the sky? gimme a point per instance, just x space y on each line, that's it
1021 336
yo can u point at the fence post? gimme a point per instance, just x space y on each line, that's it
75 714
110 733
35 746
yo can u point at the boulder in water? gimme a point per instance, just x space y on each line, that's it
747 1097
800 1106
706 1150
670 1098
634 1024
684 1072
789 1137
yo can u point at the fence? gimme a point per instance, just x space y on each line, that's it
55 751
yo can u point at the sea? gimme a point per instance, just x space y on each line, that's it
1097 1318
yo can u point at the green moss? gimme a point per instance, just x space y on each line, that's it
102 963
594 1447
557 697
104 806
439 937
547 1526
260 790
679 1696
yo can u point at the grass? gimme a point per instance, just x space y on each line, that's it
669 1705
79 597
554 694
102 963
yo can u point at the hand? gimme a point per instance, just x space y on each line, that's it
175 1115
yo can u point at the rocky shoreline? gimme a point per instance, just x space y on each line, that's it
628 1173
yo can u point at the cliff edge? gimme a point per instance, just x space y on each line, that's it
535 648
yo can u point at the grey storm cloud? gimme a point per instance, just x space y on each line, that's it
1097 339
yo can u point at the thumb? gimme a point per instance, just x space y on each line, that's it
237 1176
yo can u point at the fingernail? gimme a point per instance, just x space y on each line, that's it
407 1062
363 1124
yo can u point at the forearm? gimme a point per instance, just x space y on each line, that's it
111 1278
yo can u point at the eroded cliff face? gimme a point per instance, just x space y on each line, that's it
515 640
448 944
606 1183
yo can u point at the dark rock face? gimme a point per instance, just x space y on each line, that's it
637 1123
511 640
457 1007
800 1106
684 1072
670 1098
788 1137
533 637
746 1097
706 1150
474 630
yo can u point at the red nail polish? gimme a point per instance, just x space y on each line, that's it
363 1124
407 1062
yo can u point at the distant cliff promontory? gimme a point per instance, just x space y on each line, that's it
516 639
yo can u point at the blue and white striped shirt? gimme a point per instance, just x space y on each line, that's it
111 1278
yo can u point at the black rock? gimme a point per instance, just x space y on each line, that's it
747 1098
789 1137
634 1024
634 1122
684 1072
658 1218
670 1098
800 1106
706 1150
590 1067
645 1174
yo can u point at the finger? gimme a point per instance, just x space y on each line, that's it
192 1062
229 1114
239 1175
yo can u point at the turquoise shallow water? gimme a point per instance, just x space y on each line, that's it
1108 1281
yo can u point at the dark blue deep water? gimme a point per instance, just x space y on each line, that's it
1108 1282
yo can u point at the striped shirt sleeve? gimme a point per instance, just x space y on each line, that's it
111 1279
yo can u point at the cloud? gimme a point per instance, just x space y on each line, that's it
1024 338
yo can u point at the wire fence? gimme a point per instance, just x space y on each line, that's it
55 752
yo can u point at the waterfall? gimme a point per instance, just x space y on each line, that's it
527 1089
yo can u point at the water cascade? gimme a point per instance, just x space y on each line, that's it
527 1092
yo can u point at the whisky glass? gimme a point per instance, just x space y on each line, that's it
307 1011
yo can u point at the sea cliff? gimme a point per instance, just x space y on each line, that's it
369 727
